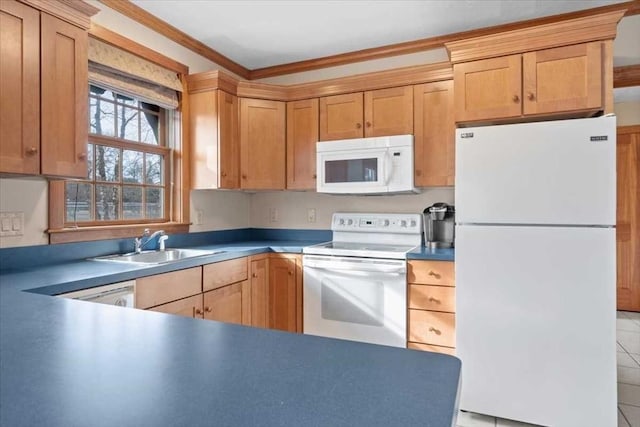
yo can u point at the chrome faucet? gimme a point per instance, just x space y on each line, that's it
140 242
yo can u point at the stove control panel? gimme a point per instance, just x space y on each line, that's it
377 223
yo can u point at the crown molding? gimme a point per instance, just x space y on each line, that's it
130 10
602 26
75 12
626 76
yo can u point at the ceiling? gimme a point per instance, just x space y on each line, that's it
259 34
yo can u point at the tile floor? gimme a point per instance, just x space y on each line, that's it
628 353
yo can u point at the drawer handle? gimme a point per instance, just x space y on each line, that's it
432 299
208 309
434 274
434 330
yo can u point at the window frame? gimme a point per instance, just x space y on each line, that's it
177 187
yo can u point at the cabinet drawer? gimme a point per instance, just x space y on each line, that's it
431 327
428 297
432 348
224 273
167 287
188 307
432 273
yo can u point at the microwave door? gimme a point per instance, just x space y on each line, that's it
353 171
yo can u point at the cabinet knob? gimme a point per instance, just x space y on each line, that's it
434 330
531 96
254 275
198 311
358 125
32 150
418 172
82 156
244 176
290 273
223 174
432 299
208 309
434 274
315 176
368 124
516 98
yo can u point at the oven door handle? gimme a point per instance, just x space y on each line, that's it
355 266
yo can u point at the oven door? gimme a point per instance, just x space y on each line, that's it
354 171
358 299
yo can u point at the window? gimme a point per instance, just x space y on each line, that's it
127 158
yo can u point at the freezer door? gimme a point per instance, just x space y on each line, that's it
535 323
556 172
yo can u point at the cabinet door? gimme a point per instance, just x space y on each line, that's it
388 112
434 145
563 79
302 136
262 144
64 98
229 140
628 219
20 88
224 304
341 116
187 307
259 291
283 290
488 89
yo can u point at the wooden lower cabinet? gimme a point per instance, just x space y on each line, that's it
285 292
163 288
628 218
259 283
226 304
188 307
431 306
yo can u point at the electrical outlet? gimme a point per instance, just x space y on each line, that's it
311 215
273 214
11 223
199 216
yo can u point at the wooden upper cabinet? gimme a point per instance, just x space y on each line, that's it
628 218
64 98
388 112
262 144
302 136
488 89
341 117
215 140
20 88
563 79
434 136
285 290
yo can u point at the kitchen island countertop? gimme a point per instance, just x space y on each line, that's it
67 362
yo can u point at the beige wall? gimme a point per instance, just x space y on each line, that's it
30 197
292 206
627 113
221 210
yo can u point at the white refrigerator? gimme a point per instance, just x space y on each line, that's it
536 271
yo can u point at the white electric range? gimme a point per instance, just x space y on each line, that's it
355 286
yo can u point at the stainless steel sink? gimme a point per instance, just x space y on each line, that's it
156 257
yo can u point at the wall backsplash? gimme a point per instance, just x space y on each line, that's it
221 210
292 207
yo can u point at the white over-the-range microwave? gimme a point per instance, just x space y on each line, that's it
379 165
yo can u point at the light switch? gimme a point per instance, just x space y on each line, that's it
6 224
17 224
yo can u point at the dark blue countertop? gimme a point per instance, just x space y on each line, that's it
67 362
424 253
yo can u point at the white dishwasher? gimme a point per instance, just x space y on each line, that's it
121 294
